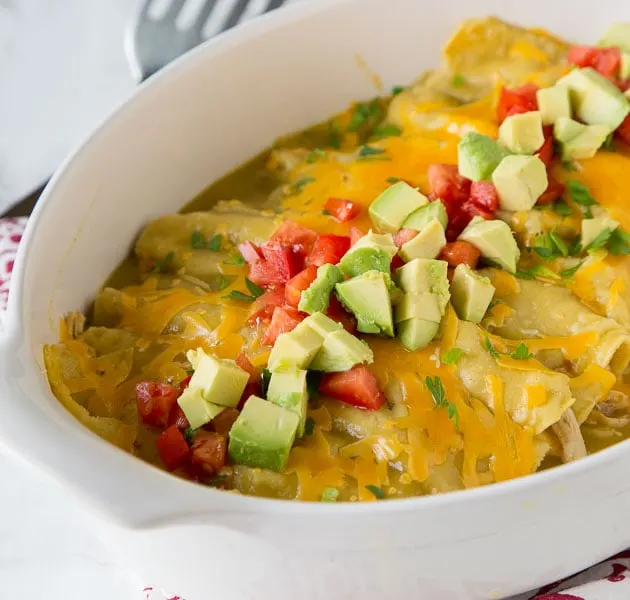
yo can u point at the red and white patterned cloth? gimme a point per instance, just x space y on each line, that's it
608 580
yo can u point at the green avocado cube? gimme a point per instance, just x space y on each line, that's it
427 244
316 297
617 35
262 435
340 352
419 219
553 103
322 324
288 389
295 350
416 334
394 205
494 240
566 129
471 294
520 181
592 228
221 381
624 70
595 99
478 155
367 297
423 305
425 275
522 134
579 141
373 252
197 409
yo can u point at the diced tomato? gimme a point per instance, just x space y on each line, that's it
457 253
624 84
172 447
278 265
357 387
554 192
178 418
328 249
462 217
253 385
263 307
484 195
623 131
155 401
546 151
396 263
606 61
183 384
296 285
223 422
209 451
355 235
249 252
295 236
284 319
402 236
338 313
519 100
342 210
447 185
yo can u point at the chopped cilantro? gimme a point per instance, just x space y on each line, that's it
255 290
609 142
569 166
451 356
377 491
384 131
393 179
541 271
546 253
370 152
224 282
601 240
439 398
397 89
330 494
524 274
521 353
490 348
451 413
364 112
239 296
217 481
315 154
309 426
334 138
189 434
568 273
562 208
325 213
619 242
458 80
163 265
298 186
559 243
197 240
265 377
579 193
312 383
236 260
215 243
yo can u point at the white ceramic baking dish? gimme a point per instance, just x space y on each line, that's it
199 118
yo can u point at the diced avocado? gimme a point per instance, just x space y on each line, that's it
553 103
317 296
197 409
221 381
595 99
494 240
322 324
522 134
471 294
394 205
419 219
423 305
373 252
262 435
341 351
617 35
586 143
566 129
288 389
478 155
367 297
295 350
427 244
417 333
624 69
591 228
520 181
425 275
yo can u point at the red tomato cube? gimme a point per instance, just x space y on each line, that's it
295 236
447 185
155 400
519 100
456 253
172 448
484 195
342 210
328 249
299 283
284 319
357 387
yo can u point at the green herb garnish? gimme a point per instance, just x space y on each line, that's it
330 494
458 80
521 353
609 142
189 434
601 239
377 491
238 296
370 152
216 481
312 383
224 282
363 112
397 89
325 213
334 138
255 290
559 243
439 398
490 348
164 264
524 274
569 166
619 242
568 273
197 240
300 184
265 378
451 356
384 131
579 193
236 260
309 426
562 208
214 244
393 179
546 253
315 154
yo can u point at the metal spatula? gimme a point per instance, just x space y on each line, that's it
165 29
